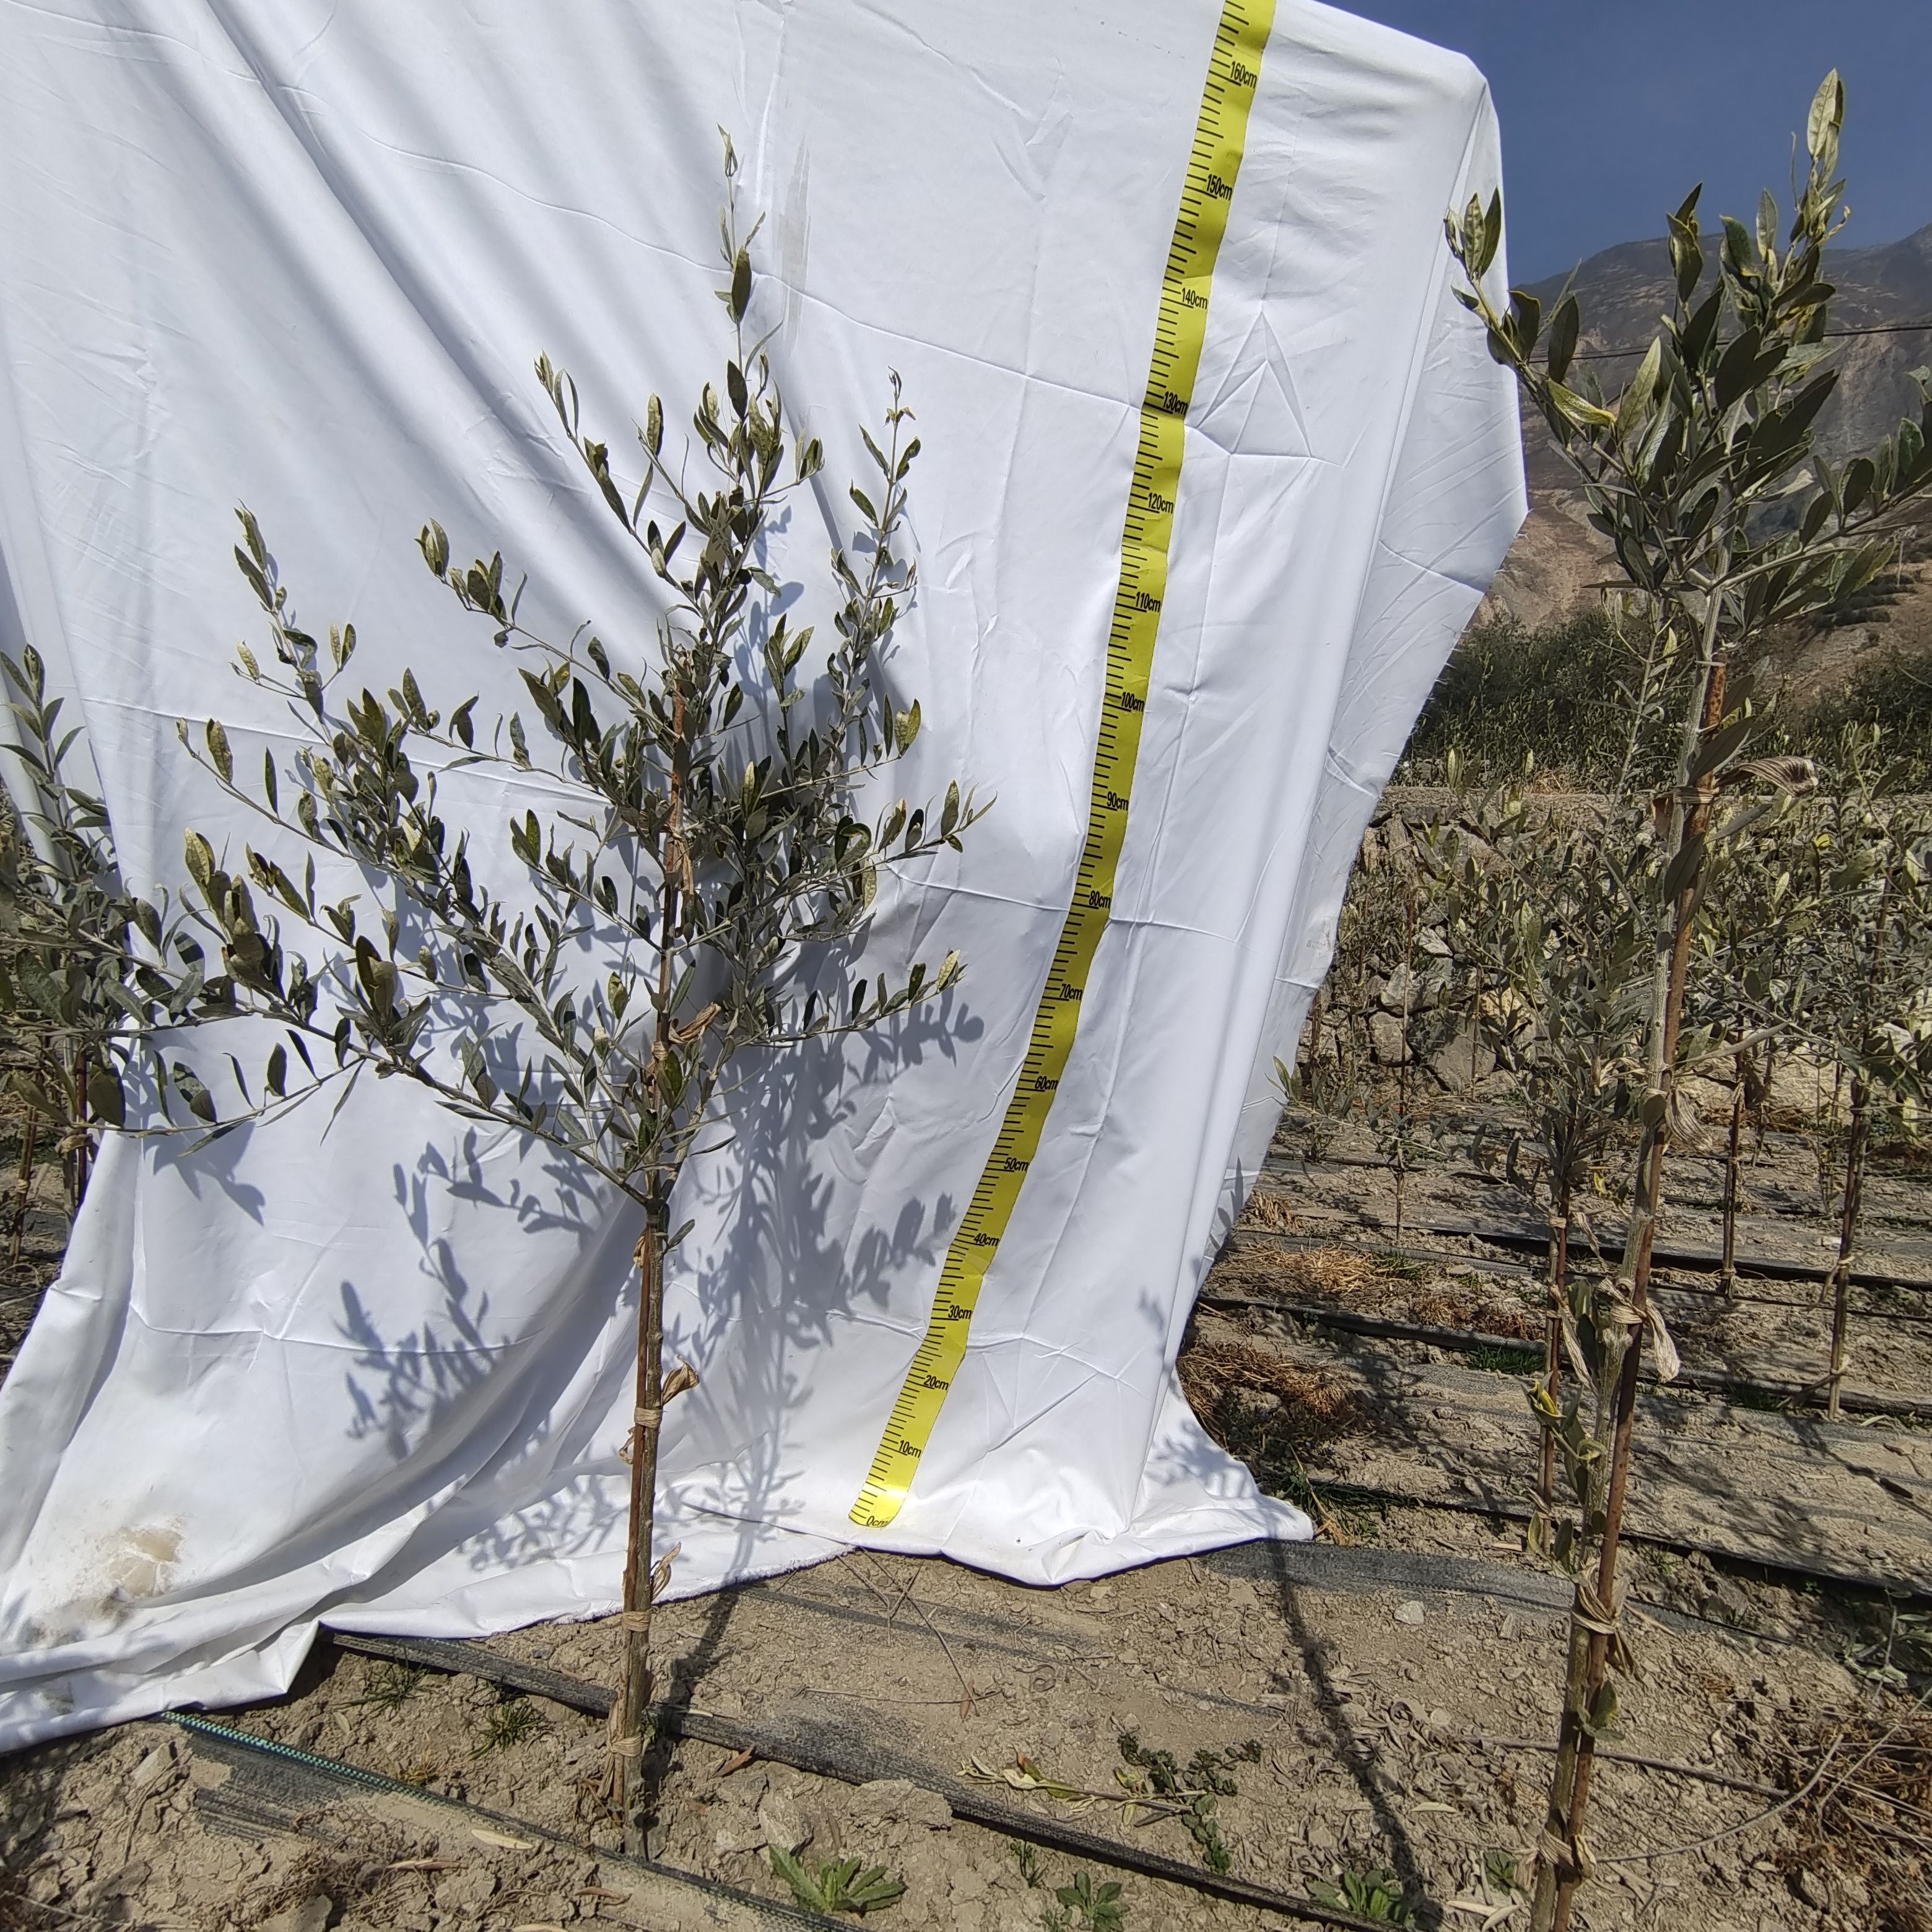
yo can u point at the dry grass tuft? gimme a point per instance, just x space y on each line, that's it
1268 1210
1333 1271
1370 1284
1866 1812
1475 1308
1210 1370
1276 1416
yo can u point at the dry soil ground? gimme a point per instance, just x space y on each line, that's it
1381 1701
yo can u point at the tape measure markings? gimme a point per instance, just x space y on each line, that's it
1180 329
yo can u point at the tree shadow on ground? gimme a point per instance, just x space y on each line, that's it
758 1320
1354 1753
1199 1459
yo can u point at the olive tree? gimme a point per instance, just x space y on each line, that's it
93 978
1693 472
1538 915
1749 981
1867 987
685 906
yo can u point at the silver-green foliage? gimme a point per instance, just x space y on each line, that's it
1689 470
711 850
1540 913
1865 1000
1863 994
1693 472
93 977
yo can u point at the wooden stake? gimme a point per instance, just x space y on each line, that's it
1552 1350
1856 1142
28 1136
1562 1859
626 1738
633 1698
1727 1272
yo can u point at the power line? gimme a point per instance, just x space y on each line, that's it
1867 329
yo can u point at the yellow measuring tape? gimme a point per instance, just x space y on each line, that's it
1219 138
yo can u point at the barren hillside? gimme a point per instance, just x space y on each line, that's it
1623 290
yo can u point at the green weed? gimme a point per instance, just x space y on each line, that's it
1498 1359
1193 1791
1346 1518
509 1724
1375 1894
388 1687
1093 1908
1394 1263
844 1885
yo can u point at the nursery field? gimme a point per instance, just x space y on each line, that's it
1583 1299
1379 1705
1357 1732
1354 1733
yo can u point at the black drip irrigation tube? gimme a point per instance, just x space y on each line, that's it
1895 1590
1451 1259
810 1749
335 1770
1696 1261
1465 1340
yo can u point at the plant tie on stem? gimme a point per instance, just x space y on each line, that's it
660 1576
1576 1853
1592 1612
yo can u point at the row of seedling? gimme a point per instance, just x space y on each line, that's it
1718 898
699 825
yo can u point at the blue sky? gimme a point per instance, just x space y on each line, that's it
1611 112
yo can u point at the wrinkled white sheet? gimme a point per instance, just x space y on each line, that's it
302 256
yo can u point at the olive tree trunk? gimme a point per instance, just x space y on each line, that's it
1856 1141
632 1703
1563 1858
1553 1340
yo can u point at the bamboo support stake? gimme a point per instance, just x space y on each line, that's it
1727 1271
1476 1034
1563 1859
1314 1056
626 1740
628 1709
1402 1066
29 1135
1856 1143
80 1141
1858 1136
1552 1354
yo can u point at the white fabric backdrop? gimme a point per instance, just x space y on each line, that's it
302 256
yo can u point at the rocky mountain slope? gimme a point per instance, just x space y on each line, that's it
1623 291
